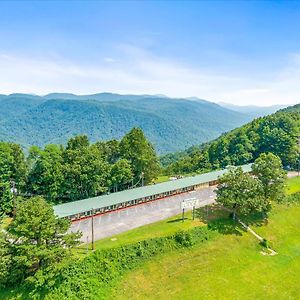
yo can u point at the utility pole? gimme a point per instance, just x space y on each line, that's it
93 242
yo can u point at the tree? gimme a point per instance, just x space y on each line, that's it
78 142
13 168
138 150
241 193
45 176
120 174
268 169
109 150
35 240
86 173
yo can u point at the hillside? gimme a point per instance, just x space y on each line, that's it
170 124
277 133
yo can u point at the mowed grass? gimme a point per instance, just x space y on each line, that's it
162 228
230 267
162 178
293 185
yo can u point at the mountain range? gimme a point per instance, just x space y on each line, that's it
171 124
252 110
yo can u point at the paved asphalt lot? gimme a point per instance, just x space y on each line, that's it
119 221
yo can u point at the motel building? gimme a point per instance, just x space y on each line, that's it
84 209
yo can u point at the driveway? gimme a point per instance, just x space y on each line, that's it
112 223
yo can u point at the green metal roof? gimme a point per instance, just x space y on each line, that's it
79 206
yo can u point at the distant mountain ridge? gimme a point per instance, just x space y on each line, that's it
252 110
171 124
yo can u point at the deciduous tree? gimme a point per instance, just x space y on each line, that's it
268 169
36 239
241 193
138 150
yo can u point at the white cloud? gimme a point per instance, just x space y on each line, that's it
109 60
137 71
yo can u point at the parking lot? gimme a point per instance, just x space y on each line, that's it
112 223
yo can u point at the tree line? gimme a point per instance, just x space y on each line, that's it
77 171
277 134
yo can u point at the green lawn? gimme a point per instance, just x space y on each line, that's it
158 229
293 185
230 267
162 178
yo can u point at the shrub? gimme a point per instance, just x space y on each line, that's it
265 243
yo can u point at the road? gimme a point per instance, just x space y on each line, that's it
292 174
123 220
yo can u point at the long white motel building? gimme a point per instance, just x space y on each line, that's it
80 209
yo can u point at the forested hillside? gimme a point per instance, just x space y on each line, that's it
277 133
170 124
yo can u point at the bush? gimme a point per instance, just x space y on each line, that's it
264 243
292 199
184 238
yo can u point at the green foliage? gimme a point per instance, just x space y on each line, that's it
121 173
245 194
83 170
265 243
46 175
276 134
35 240
135 148
12 169
268 169
292 199
241 193
184 238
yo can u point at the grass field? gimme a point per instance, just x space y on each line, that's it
162 178
293 185
230 267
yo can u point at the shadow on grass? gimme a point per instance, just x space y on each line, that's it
177 220
225 226
220 219
256 219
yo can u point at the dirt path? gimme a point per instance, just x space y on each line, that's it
261 239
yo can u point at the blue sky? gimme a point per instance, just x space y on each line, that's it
244 52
